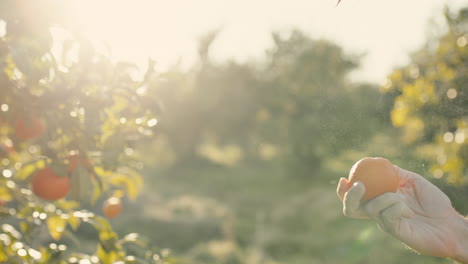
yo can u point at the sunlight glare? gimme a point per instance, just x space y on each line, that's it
448 137
451 93
2 28
129 30
35 254
152 122
438 173
460 137
7 173
167 31
4 107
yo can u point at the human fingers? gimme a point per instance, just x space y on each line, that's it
426 194
388 220
343 187
414 180
406 175
352 200
374 207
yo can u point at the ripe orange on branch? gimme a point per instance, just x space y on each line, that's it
377 174
112 207
48 185
28 127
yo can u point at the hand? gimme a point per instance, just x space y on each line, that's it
419 214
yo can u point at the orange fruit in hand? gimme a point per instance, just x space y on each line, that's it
377 174
28 127
46 184
112 207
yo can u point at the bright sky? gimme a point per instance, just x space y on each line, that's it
167 31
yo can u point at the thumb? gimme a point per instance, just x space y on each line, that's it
343 187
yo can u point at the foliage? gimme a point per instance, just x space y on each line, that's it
69 112
430 100
318 110
297 103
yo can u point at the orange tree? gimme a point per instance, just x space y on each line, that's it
431 99
69 122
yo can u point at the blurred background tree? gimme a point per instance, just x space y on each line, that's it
430 106
431 101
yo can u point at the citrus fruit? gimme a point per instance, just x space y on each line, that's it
46 184
112 207
377 174
28 127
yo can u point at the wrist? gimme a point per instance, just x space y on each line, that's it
461 243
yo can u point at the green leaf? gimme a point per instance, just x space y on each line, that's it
26 227
106 257
137 181
67 204
56 225
105 235
127 183
96 194
3 255
82 186
5 194
26 171
74 222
